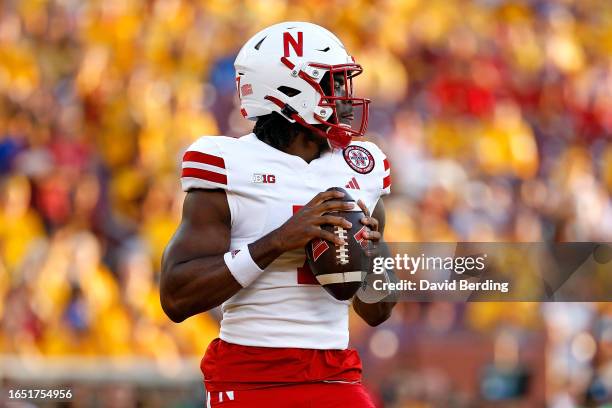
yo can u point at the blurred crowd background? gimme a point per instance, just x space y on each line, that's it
496 116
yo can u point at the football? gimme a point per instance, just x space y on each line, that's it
340 269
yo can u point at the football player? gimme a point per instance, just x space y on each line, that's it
254 202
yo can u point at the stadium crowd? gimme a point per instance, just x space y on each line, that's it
496 116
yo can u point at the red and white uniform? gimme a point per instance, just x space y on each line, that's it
285 307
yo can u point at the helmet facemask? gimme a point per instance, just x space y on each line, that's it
347 110
338 134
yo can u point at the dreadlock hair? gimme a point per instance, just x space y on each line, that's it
277 131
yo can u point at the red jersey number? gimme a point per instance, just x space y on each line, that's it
304 274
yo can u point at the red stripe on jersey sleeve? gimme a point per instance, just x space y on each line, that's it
205 175
204 158
387 181
386 162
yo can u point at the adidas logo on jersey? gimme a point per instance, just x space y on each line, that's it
353 184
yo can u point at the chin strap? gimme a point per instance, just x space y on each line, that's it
337 138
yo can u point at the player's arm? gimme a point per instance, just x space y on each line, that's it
375 313
195 277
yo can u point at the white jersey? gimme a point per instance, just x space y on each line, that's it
284 306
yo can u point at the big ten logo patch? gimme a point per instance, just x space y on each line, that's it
264 178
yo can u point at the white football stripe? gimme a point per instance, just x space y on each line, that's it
340 277
203 166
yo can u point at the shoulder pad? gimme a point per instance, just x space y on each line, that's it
203 165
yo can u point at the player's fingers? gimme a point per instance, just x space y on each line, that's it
363 207
328 236
332 220
373 236
324 196
370 222
334 206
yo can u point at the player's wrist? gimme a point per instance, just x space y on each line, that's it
277 243
242 266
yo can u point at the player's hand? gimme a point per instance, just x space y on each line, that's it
372 223
305 224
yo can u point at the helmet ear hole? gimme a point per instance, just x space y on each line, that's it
287 90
